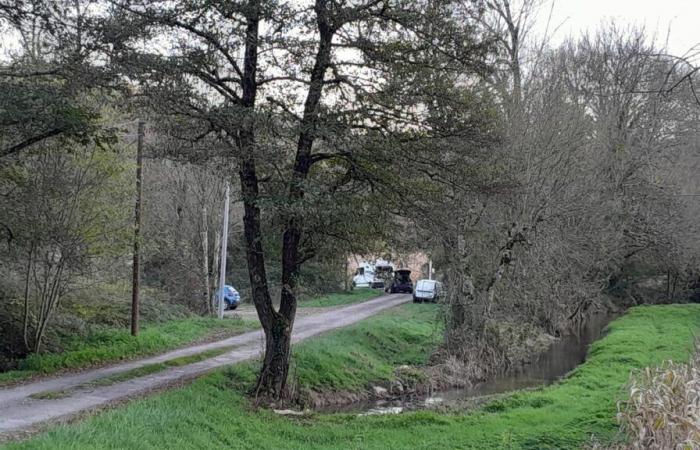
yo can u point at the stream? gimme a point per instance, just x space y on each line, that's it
560 358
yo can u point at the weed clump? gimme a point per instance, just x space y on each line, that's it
663 411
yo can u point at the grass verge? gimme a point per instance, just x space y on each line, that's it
357 295
213 413
135 373
115 344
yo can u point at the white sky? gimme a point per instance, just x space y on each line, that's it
573 17
578 16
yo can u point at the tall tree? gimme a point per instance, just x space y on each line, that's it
289 89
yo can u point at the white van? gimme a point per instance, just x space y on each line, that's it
427 291
363 276
373 274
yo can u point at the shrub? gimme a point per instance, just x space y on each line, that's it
663 411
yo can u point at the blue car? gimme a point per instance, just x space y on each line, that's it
231 297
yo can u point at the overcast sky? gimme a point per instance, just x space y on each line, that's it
573 17
577 16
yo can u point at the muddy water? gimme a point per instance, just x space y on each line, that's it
556 362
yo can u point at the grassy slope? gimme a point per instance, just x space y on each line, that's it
342 298
114 344
350 358
212 413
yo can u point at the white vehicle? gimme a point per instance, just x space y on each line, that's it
427 291
373 274
363 276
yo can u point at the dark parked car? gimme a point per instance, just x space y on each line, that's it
402 282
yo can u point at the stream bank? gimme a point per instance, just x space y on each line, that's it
412 389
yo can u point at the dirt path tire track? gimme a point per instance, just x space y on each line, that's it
19 412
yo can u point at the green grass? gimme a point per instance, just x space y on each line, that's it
115 344
342 298
213 413
159 367
51 395
135 373
350 358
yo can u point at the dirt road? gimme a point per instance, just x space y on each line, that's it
21 410
248 312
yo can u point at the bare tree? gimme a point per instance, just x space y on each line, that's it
181 229
578 198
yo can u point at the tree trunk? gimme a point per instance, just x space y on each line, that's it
273 375
272 380
278 325
49 301
673 287
25 318
505 258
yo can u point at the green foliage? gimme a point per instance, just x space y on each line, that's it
96 307
34 107
53 86
560 416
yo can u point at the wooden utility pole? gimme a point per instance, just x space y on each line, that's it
136 278
222 266
205 258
